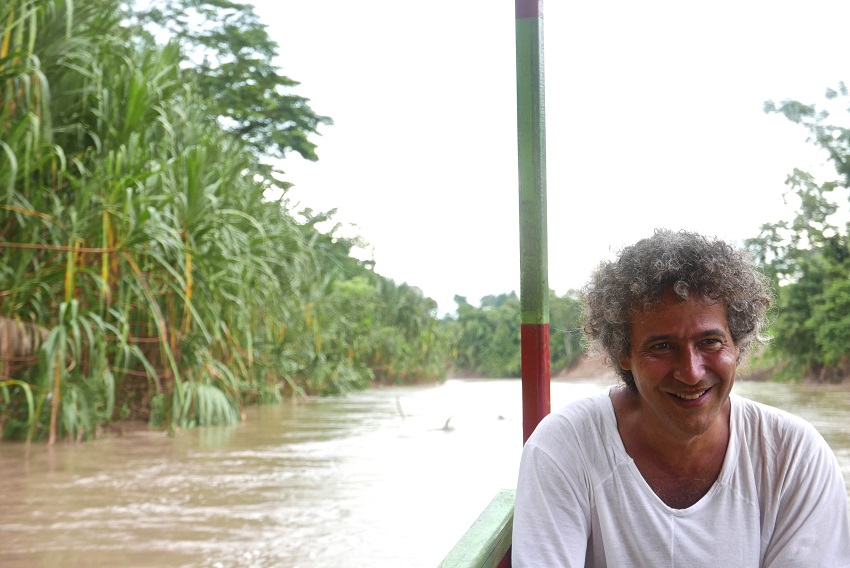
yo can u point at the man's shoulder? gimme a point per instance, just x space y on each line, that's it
758 413
593 408
581 436
576 419
761 423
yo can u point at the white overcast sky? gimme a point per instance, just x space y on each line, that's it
654 119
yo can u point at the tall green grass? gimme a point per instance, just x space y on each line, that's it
135 232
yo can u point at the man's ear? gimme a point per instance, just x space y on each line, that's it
625 362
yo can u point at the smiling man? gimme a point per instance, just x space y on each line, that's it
670 468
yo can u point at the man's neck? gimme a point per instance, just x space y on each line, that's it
680 469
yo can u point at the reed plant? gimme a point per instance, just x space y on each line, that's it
135 234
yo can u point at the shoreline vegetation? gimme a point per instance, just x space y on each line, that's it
152 267
584 368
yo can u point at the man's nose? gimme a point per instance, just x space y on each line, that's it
690 367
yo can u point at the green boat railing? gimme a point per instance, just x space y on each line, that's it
488 540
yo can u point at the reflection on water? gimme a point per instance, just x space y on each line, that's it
387 477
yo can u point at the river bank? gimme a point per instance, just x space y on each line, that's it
583 369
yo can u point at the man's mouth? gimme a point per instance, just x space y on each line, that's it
690 395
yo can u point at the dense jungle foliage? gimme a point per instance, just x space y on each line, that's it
486 339
143 273
808 256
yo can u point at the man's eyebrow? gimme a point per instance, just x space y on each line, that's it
713 332
654 338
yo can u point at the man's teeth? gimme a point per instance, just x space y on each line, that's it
690 396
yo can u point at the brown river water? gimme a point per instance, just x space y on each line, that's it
377 478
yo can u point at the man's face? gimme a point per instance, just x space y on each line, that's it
683 361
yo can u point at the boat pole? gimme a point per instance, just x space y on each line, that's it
534 276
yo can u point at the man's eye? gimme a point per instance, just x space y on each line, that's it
664 346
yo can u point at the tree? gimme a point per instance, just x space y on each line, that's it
565 329
487 339
808 257
234 71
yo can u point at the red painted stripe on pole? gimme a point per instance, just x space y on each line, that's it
535 376
529 8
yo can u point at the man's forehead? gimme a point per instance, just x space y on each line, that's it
668 297
669 303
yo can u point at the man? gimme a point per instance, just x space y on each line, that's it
669 468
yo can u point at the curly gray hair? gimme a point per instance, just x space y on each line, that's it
685 262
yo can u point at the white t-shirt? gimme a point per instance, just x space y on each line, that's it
779 501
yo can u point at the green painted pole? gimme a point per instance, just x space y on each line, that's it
534 274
